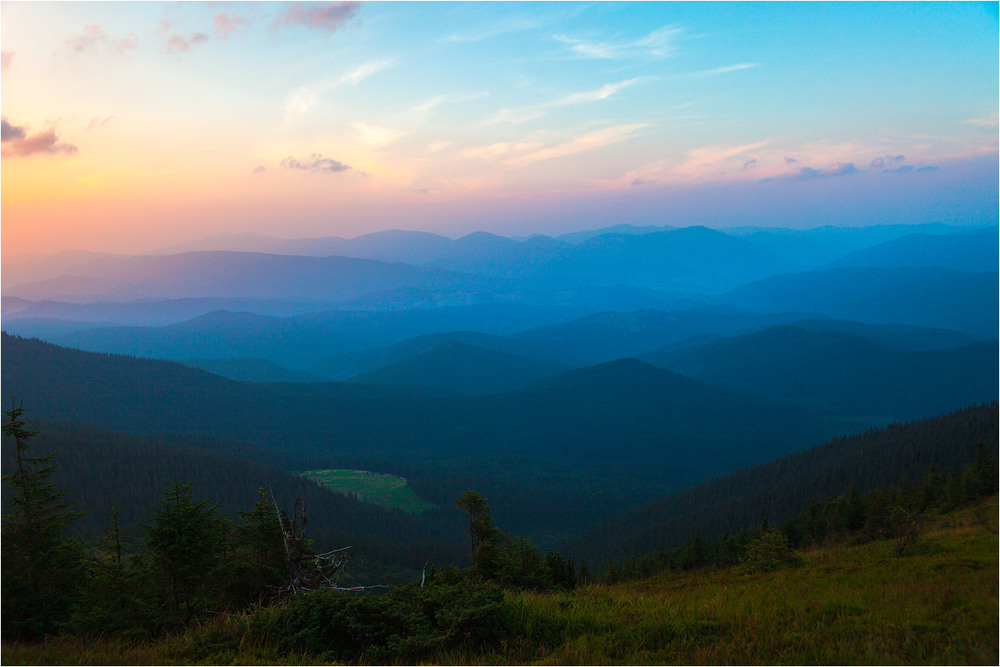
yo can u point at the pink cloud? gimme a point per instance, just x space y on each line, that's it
17 143
179 44
94 39
326 16
6 58
226 25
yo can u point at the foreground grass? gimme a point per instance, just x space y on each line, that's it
842 605
371 487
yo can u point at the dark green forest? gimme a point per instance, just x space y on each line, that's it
190 564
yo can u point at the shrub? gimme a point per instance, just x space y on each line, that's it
768 552
404 624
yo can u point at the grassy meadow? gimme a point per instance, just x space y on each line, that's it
842 604
371 487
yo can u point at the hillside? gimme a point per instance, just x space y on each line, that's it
458 368
622 411
842 604
974 250
252 370
923 297
841 373
778 489
299 341
237 275
133 471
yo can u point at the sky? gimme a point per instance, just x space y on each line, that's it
130 126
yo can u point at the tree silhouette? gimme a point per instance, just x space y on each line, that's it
41 566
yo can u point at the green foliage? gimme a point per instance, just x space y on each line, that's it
115 600
482 532
187 544
257 567
404 625
370 487
846 604
768 552
785 487
510 562
41 565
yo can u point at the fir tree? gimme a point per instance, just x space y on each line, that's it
185 541
41 566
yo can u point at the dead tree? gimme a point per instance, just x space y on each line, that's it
307 570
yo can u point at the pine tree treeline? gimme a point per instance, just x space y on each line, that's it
894 512
100 469
774 491
195 561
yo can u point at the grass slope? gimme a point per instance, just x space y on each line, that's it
843 605
371 487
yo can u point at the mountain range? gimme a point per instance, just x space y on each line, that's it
571 378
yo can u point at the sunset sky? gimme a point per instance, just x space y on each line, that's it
129 126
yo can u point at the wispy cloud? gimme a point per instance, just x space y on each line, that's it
716 153
6 59
376 135
226 25
524 114
324 16
580 143
501 149
659 43
838 169
366 70
94 39
301 100
727 68
18 143
712 161
986 121
315 163
603 93
881 162
500 27
180 44
429 105
98 122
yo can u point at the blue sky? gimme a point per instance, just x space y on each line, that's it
132 125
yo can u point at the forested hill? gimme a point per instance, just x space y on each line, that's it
101 470
777 490
652 416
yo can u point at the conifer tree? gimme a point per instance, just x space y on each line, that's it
185 540
259 564
41 565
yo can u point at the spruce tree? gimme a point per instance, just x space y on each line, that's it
41 566
186 542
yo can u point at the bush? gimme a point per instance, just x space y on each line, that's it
402 625
768 552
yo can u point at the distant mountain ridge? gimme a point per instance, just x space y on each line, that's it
696 260
842 373
241 275
623 411
461 368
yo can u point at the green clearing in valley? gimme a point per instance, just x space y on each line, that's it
371 487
